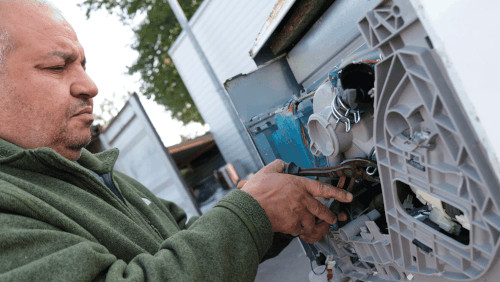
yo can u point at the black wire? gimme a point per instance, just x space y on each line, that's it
311 262
312 269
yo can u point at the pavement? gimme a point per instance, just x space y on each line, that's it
290 265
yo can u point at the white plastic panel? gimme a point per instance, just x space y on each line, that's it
465 35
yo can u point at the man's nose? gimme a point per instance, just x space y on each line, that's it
83 85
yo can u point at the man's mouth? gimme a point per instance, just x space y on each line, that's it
84 111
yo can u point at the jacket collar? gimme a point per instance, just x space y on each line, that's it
100 163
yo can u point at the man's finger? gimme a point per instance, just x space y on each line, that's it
342 216
298 230
241 184
318 189
319 231
319 210
275 166
308 222
309 239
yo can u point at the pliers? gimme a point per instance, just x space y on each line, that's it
353 169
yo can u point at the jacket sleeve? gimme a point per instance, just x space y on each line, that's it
179 214
279 242
225 244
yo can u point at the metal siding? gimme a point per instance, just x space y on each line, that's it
225 30
210 107
143 156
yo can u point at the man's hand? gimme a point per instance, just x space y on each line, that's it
290 204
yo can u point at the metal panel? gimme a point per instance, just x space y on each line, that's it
225 30
262 90
143 156
279 12
228 138
331 34
209 70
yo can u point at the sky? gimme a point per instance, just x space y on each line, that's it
107 42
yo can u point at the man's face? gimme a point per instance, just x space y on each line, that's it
45 94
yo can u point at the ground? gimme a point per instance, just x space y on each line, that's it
291 265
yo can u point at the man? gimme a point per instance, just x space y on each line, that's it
66 215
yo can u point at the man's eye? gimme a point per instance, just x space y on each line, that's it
56 68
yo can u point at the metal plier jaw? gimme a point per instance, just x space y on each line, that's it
353 169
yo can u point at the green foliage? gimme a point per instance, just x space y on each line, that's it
154 36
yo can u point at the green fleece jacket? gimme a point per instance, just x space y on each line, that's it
59 222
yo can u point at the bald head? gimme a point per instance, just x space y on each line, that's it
56 13
7 40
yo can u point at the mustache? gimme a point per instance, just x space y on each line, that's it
85 103
75 108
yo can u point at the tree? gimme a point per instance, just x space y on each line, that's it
154 36
109 108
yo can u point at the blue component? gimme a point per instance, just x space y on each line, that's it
333 227
288 139
334 77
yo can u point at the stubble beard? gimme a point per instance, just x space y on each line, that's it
71 140
65 139
74 141
75 144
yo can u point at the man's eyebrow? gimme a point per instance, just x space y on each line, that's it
64 55
67 56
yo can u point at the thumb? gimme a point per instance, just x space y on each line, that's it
241 184
275 166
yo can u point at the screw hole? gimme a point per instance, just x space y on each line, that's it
395 10
429 42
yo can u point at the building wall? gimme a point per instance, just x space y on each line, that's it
226 30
